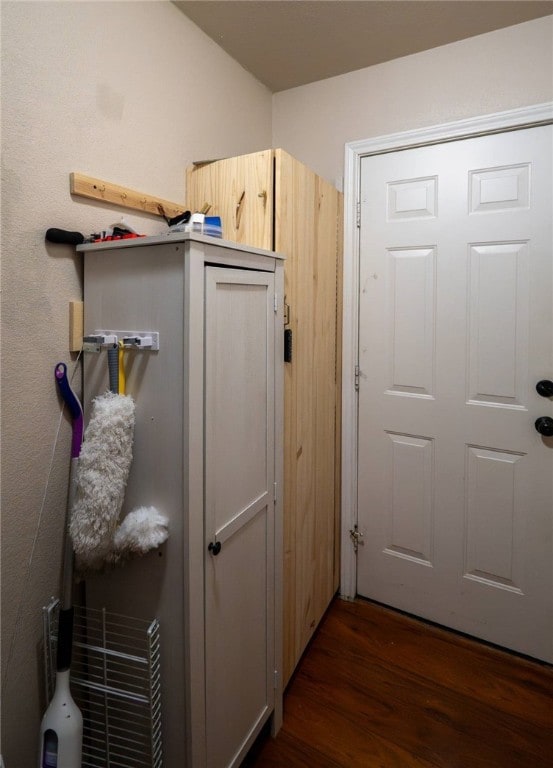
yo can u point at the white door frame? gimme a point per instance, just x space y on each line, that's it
526 117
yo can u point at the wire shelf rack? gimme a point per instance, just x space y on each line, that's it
115 681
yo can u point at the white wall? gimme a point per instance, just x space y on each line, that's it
130 92
512 67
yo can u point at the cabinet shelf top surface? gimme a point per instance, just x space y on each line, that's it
174 237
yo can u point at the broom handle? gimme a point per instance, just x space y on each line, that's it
113 368
75 408
68 555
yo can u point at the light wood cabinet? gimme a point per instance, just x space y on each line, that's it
270 200
208 454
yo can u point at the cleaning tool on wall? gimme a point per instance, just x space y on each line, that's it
104 466
61 730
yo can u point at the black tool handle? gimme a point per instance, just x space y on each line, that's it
64 236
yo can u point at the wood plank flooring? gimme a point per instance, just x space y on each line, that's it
379 689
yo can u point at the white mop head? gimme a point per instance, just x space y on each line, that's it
103 471
142 529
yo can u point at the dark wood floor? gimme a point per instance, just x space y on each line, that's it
381 690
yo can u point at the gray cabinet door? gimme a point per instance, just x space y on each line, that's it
239 508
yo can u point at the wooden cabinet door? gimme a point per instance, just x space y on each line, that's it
239 510
240 191
306 221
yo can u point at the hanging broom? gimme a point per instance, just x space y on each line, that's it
61 729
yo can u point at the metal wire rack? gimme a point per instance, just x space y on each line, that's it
115 680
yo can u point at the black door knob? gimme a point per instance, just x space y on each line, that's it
215 546
544 425
545 388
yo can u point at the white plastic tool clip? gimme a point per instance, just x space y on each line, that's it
99 340
139 340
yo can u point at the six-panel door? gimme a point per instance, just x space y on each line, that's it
455 489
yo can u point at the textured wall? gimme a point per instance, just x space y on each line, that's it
510 68
131 92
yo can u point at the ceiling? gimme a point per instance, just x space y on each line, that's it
293 42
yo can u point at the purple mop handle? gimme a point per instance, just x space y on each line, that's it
75 408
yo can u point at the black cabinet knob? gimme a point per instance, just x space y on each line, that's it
215 546
545 388
544 425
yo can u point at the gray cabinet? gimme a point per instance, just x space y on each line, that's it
208 454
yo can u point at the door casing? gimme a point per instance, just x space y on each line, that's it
540 114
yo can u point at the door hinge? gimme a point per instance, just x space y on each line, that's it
275 493
275 679
356 378
356 536
286 312
358 216
275 305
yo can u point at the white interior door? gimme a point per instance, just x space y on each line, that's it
239 509
455 485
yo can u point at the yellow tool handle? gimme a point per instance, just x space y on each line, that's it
122 379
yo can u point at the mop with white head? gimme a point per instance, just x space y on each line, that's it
104 464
